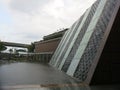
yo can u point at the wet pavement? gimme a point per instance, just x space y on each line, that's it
34 76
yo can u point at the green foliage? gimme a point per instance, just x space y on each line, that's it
21 50
2 47
11 50
31 47
15 51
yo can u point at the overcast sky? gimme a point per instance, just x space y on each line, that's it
26 21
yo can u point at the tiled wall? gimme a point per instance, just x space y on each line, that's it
80 45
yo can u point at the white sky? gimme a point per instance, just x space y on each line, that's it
26 21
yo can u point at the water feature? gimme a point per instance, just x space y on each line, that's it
25 73
34 76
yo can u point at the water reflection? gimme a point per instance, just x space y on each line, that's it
104 87
71 88
33 76
62 88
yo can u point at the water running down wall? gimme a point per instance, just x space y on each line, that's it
81 46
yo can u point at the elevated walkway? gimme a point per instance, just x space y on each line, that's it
12 44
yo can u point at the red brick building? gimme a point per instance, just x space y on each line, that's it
49 42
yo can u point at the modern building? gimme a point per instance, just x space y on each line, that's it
45 48
90 50
49 42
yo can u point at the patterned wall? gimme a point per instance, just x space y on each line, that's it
79 46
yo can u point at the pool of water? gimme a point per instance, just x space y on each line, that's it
34 76
31 74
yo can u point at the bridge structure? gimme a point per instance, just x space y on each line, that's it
12 44
90 50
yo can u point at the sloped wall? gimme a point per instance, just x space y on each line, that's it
108 68
80 48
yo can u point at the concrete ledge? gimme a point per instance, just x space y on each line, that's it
43 86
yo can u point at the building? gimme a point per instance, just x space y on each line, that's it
49 42
45 48
90 49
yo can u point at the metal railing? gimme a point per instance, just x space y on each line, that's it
40 57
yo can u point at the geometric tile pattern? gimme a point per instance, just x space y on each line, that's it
80 45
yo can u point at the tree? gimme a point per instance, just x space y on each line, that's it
15 51
31 47
11 50
21 50
2 47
